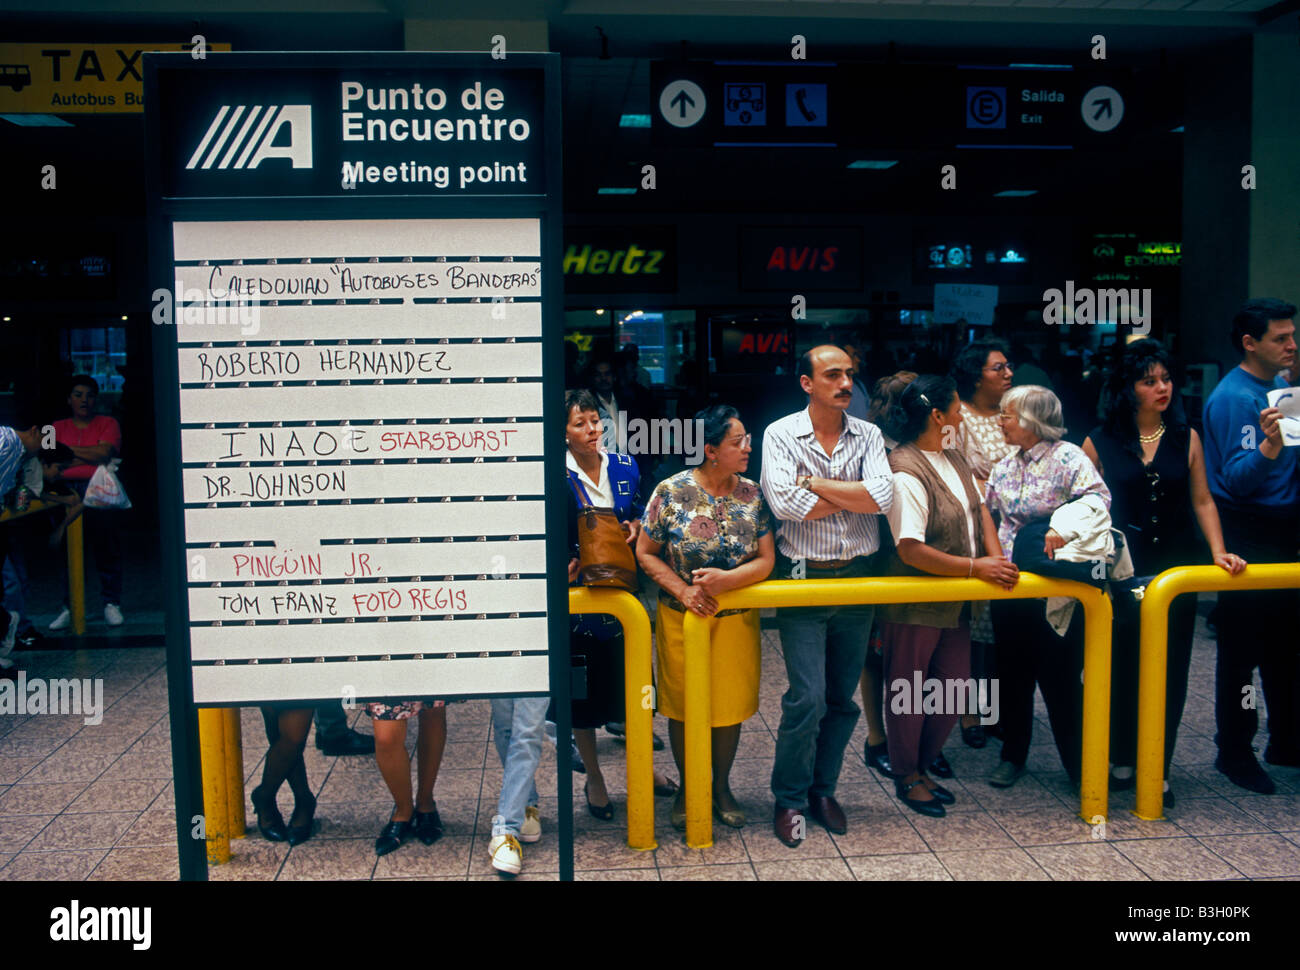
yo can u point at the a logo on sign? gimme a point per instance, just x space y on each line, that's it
248 144
986 107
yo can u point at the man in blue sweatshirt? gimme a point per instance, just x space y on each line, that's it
1254 480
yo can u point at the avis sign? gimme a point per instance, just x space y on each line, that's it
61 78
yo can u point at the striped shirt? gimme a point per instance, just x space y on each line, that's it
790 451
13 455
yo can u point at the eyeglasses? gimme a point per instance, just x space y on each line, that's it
742 440
998 368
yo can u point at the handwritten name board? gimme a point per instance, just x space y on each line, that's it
361 448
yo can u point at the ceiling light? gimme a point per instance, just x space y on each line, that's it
875 165
1176 131
607 190
634 121
1014 193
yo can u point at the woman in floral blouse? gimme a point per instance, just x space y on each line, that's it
1027 487
983 375
705 531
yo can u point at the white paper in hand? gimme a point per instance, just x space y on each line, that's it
1287 400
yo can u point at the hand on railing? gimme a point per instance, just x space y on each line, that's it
997 569
1227 561
695 599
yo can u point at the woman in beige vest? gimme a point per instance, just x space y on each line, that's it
941 528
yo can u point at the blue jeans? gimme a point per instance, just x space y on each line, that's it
518 727
825 649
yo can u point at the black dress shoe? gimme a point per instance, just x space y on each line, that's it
301 829
877 756
353 742
933 808
603 812
1122 784
940 768
428 826
974 736
941 794
392 836
1246 774
269 820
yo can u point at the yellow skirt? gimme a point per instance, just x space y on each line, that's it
734 672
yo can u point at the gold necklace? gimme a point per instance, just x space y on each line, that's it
1156 435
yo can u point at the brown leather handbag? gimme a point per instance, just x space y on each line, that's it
604 557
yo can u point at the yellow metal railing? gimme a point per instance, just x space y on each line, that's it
223 763
1153 662
638 696
895 589
76 560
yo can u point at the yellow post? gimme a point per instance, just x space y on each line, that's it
77 575
232 731
699 719
638 698
1153 664
899 589
216 819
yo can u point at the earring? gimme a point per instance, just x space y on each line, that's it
715 462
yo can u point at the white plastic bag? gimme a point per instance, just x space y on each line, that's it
105 491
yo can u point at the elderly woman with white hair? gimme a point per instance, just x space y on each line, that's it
1026 488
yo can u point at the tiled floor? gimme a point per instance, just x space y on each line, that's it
82 801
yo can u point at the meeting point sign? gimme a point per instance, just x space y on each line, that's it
300 128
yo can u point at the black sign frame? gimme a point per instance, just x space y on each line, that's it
163 70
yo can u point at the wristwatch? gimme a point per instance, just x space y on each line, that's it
806 483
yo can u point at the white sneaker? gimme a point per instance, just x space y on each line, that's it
507 856
63 620
7 647
531 830
113 614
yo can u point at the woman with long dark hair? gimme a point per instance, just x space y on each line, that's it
707 530
1154 467
941 527
876 751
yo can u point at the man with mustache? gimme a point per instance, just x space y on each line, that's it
826 479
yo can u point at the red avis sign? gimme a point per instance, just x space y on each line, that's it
764 343
802 259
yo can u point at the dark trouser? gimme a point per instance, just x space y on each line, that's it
1124 665
331 722
824 648
916 738
103 539
1258 629
1029 653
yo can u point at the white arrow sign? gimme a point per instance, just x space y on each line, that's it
1103 108
682 103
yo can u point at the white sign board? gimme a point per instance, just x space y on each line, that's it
362 457
971 302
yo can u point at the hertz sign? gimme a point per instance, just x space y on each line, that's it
605 259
